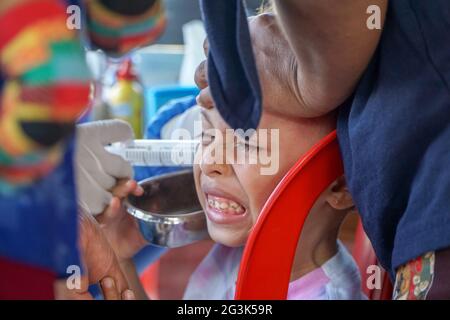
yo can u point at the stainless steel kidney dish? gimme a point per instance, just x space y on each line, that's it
169 213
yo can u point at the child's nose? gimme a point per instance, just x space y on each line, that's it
212 163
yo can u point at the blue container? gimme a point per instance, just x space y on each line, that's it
155 97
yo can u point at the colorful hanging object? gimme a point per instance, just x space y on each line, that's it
118 29
45 90
44 86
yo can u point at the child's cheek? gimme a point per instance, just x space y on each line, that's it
197 174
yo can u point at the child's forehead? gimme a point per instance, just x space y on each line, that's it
269 120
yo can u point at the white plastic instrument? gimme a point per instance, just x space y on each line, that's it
156 153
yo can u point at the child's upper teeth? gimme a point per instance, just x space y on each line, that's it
227 205
233 205
223 205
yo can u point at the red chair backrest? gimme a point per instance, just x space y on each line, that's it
364 256
270 250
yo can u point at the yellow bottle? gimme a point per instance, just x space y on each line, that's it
126 98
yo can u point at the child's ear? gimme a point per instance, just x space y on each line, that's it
339 197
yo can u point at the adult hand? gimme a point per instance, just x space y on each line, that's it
97 170
120 228
100 266
276 64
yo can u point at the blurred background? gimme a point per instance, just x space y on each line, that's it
165 69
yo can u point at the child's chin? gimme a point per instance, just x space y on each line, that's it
225 238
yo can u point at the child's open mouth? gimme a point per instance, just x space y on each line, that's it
223 210
224 205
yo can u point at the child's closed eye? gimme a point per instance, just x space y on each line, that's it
207 138
246 145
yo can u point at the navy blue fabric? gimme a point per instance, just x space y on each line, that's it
395 134
232 74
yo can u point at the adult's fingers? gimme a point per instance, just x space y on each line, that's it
204 99
114 130
115 165
89 169
124 187
121 190
112 211
201 75
98 256
128 295
115 272
109 289
92 197
105 131
63 292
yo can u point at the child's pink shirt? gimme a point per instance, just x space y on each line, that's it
336 279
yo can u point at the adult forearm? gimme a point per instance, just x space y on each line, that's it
332 44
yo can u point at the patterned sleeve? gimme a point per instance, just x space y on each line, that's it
118 26
45 89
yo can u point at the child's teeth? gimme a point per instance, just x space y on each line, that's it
228 206
223 205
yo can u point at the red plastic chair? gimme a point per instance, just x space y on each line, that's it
265 269
364 256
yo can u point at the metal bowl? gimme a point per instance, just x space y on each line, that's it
169 213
